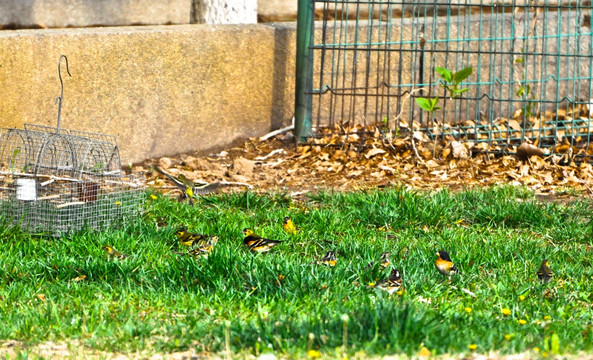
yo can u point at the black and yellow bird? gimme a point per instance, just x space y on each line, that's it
391 284
189 188
330 259
545 273
289 226
204 249
384 261
113 253
256 243
182 183
190 239
444 264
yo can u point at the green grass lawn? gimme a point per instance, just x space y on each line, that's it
164 302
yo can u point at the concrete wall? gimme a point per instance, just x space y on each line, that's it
80 13
15 14
160 90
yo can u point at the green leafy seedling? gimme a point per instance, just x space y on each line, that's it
428 104
452 80
15 153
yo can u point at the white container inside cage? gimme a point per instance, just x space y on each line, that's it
26 189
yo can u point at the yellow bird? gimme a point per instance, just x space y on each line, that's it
384 261
113 253
329 259
256 243
204 249
545 273
182 183
190 239
189 188
289 226
444 264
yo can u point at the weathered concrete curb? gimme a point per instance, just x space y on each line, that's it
79 13
161 90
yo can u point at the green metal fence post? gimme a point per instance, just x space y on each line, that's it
304 71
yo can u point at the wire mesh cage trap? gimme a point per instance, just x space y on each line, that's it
55 181
531 62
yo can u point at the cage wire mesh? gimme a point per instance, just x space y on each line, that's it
55 181
531 69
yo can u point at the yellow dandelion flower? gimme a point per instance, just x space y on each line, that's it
547 317
118 203
472 346
371 284
400 292
506 312
536 349
508 337
153 196
468 310
522 322
314 354
424 353
521 297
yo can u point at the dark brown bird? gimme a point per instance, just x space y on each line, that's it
544 273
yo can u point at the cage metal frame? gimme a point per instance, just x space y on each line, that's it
55 181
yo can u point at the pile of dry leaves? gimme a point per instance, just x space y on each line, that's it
358 157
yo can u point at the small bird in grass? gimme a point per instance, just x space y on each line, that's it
113 253
384 261
444 264
544 273
204 249
256 243
289 226
190 239
392 284
329 259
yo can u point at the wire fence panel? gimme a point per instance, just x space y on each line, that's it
499 73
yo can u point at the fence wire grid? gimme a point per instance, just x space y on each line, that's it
531 69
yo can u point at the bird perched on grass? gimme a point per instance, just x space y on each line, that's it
204 249
111 252
391 284
289 226
444 264
544 273
189 188
190 239
384 261
256 243
329 259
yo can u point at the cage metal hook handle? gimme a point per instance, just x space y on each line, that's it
59 98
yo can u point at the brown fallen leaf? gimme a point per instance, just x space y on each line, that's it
459 151
374 151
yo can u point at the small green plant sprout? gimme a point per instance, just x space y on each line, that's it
524 92
452 80
428 104
15 153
